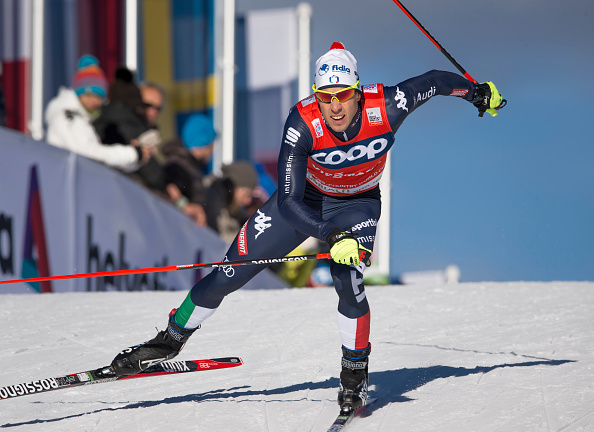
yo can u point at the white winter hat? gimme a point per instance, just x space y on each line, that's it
336 68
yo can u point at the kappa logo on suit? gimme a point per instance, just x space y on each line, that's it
261 223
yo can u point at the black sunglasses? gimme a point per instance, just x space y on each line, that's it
148 105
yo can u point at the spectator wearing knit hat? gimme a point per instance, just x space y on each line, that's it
89 83
69 118
198 135
186 160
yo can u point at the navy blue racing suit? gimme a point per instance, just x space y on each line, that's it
325 181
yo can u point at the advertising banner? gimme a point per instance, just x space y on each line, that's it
63 214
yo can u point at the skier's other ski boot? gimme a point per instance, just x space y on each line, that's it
354 379
166 345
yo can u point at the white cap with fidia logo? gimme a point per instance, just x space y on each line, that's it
336 68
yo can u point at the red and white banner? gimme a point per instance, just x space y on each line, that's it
15 59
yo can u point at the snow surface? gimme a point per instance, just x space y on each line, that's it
468 357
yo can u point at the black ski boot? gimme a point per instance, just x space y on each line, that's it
166 345
354 379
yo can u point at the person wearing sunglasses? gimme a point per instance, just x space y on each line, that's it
332 154
152 99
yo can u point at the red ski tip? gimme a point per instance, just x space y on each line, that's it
337 45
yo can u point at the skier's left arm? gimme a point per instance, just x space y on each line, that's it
405 97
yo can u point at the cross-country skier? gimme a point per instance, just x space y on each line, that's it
333 152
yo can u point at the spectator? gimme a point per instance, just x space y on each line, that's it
153 98
229 197
185 162
69 117
198 137
123 120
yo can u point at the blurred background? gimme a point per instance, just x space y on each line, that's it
501 199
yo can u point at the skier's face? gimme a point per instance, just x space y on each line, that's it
339 115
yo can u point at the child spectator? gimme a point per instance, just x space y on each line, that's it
70 114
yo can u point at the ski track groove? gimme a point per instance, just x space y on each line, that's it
544 401
318 418
266 416
480 377
383 420
503 353
566 428
76 340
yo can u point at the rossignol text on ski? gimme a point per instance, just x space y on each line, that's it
106 374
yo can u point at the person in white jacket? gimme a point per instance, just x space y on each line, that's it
69 118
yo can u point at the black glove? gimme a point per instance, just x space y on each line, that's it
488 99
